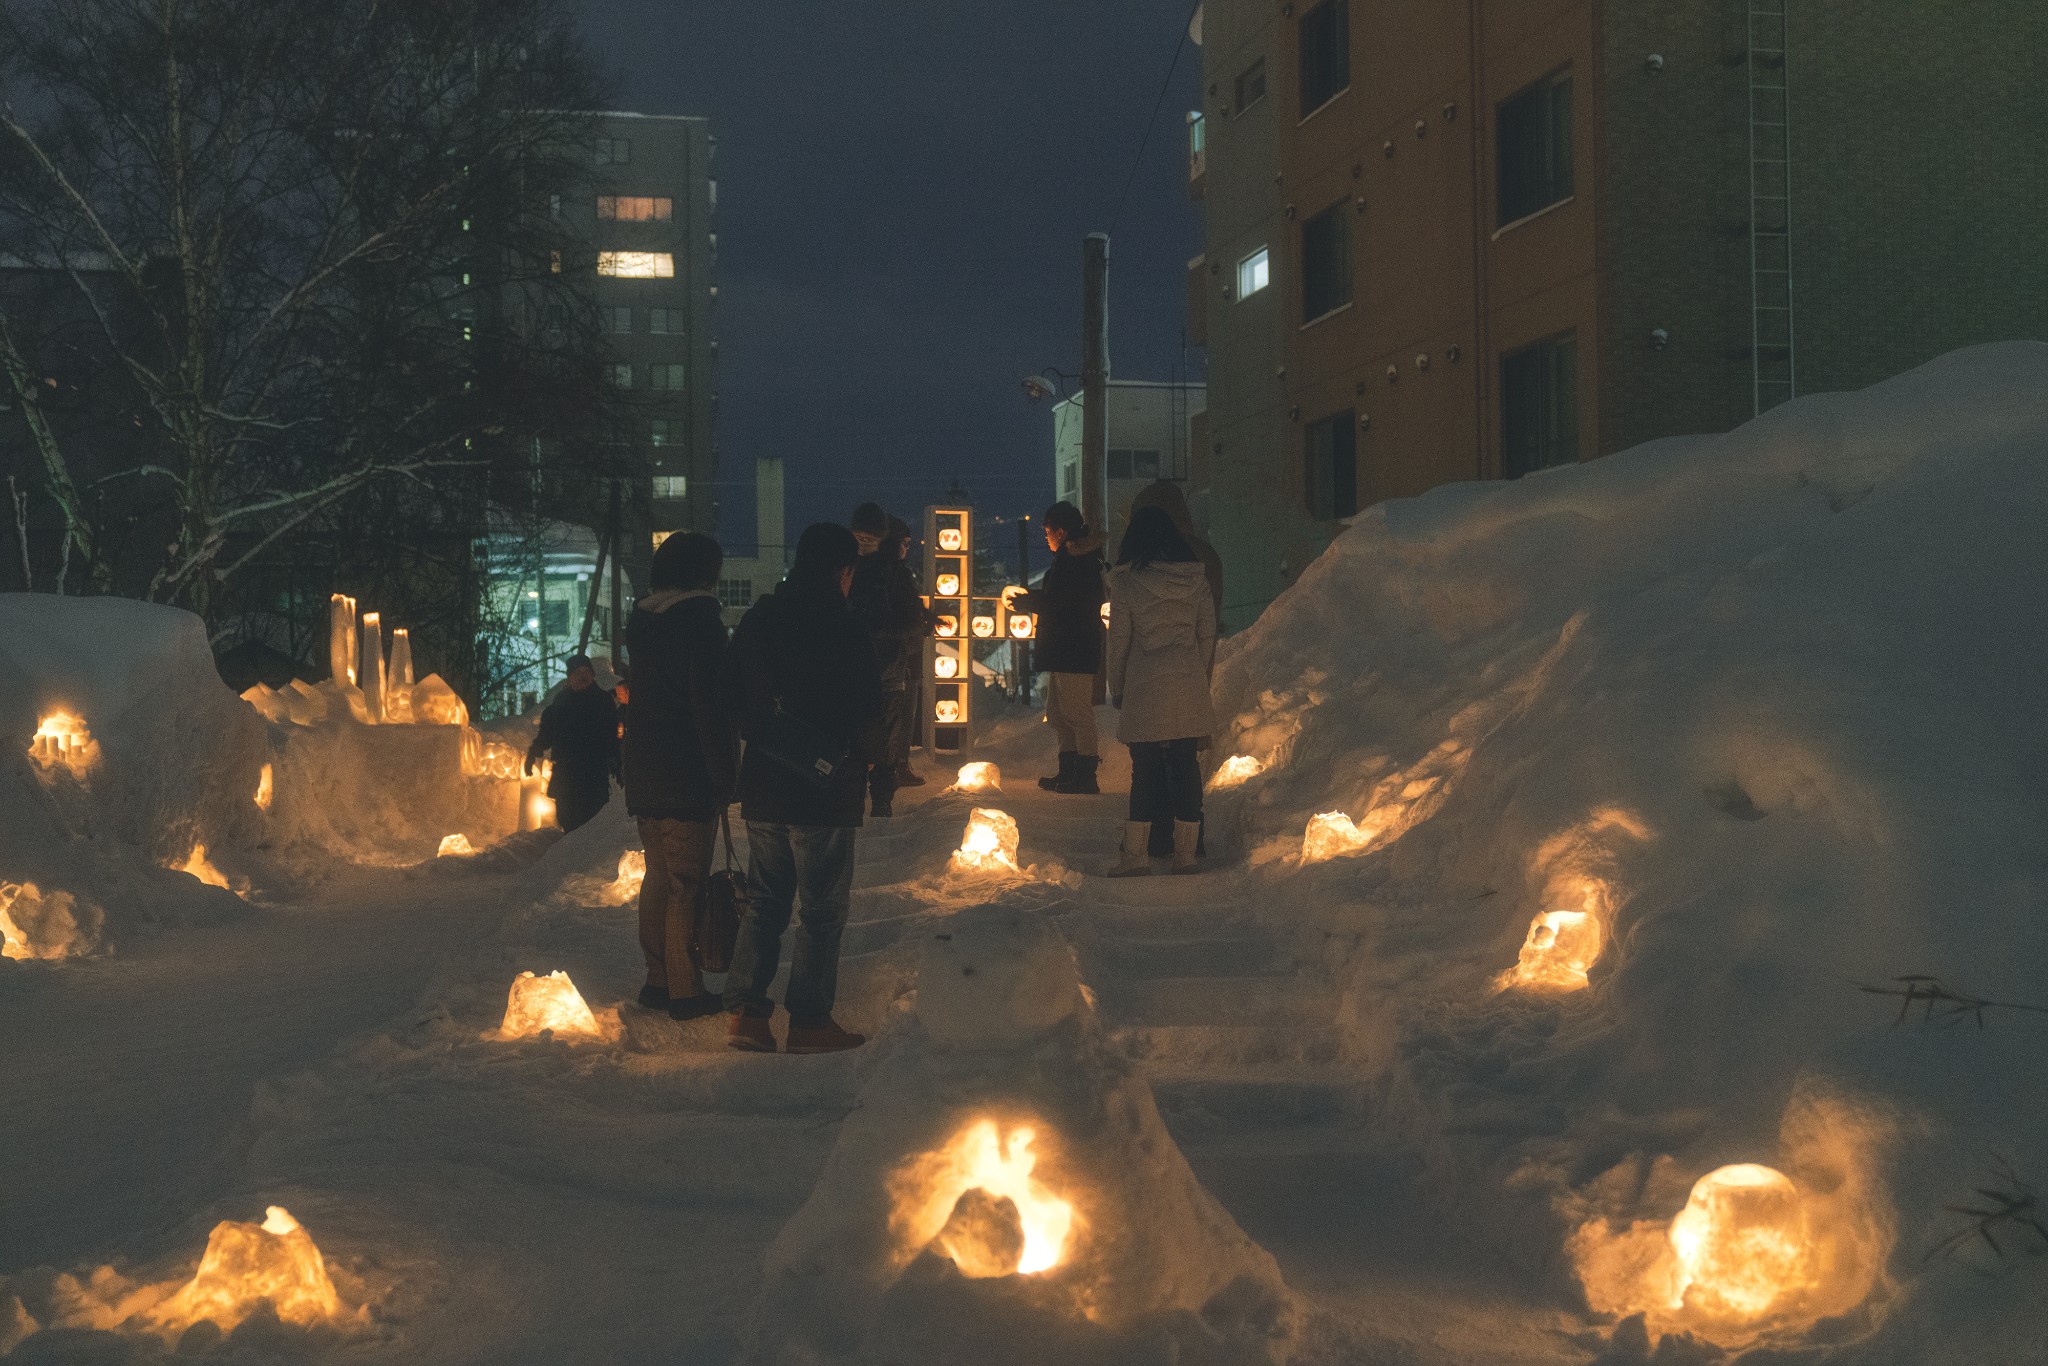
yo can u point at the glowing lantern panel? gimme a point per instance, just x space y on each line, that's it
947 712
980 776
949 585
454 846
198 865
1023 627
550 1004
245 1265
950 538
62 740
984 627
1236 771
989 844
948 627
978 1202
945 666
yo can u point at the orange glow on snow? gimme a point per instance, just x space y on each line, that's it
198 865
265 788
549 1004
979 777
1333 835
1020 1228
1580 872
632 873
250 1264
989 844
1235 772
62 738
454 846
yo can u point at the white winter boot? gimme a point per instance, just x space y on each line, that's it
1187 837
1134 860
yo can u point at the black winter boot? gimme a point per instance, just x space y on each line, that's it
1053 784
1081 781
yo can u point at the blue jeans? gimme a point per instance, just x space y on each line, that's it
787 865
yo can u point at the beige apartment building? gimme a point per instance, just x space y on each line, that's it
1471 239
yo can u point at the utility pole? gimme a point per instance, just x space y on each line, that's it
1095 382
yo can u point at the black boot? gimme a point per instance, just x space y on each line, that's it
1054 783
1081 780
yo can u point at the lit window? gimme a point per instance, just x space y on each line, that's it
1254 273
635 209
614 152
637 265
666 378
663 432
622 377
665 321
671 487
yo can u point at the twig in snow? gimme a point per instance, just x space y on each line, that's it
1938 1001
2008 1206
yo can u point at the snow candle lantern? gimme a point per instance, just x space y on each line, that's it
454 846
632 875
980 776
536 807
265 787
989 844
978 1201
1333 835
547 1005
341 638
1580 867
1235 772
1561 949
62 740
398 682
372 665
434 703
274 1262
197 865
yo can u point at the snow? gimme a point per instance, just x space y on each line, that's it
1643 767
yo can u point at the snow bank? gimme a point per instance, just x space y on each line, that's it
1752 719
1006 1192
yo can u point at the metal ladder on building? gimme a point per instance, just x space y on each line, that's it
1776 370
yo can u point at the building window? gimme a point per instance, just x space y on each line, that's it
1325 33
663 431
1070 479
1254 273
1539 406
614 152
735 592
554 617
671 487
637 265
1533 135
1134 464
617 321
666 379
1326 262
664 322
1251 85
1330 466
622 376
635 208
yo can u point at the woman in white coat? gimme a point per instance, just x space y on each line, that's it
1162 644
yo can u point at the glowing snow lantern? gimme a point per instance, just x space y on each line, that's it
198 865
342 640
950 538
980 776
948 712
949 585
265 788
454 846
1235 771
945 666
978 1202
434 703
549 1004
1561 948
1333 835
1741 1244
372 665
1105 614
245 1265
536 808
989 844
63 739
632 873
948 627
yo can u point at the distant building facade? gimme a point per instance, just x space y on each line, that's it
1150 438
1451 242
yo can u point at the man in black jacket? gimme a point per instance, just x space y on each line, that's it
885 599
681 760
1068 602
808 694
580 732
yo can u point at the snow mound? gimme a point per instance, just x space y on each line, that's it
1643 766
1006 1192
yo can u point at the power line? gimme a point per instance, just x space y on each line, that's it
1165 88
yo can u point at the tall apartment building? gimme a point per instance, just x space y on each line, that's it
651 218
1472 239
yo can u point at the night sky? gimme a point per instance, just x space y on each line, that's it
904 186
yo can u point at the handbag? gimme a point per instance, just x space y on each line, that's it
720 909
793 743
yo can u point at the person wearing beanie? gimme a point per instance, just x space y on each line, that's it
885 600
808 695
1068 601
579 734
681 761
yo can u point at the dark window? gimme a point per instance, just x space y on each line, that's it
1539 404
1326 262
1330 466
1325 54
1533 131
622 376
667 378
1134 464
554 617
664 432
1251 85
735 592
614 152
663 321
618 321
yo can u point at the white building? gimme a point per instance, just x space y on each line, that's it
1148 440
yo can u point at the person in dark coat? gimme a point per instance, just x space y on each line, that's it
904 707
804 676
579 732
1068 602
681 755
885 600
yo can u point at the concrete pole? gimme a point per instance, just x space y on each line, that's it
1095 382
